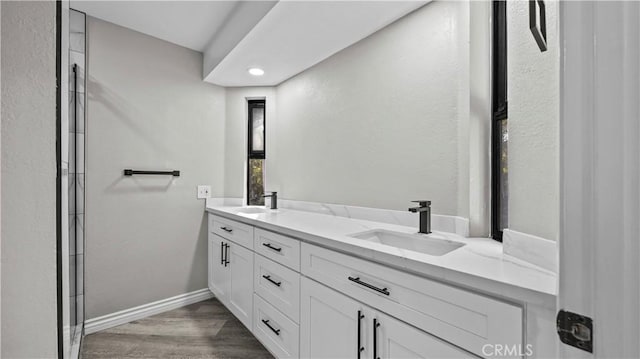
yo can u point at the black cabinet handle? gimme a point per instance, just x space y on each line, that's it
375 338
268 277
221 253
360 347
268 245
226 254
266 322
228 230
370 286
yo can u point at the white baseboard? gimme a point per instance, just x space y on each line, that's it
145 310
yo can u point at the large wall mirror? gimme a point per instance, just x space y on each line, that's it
525 118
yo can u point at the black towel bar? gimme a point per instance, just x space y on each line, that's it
130 172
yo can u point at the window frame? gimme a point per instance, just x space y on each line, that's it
251 154
499 110
252 104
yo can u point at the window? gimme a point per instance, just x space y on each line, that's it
499 124
256 153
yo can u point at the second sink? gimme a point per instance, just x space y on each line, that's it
432 244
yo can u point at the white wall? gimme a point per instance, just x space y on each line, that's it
374 125
148 108
533 95
28 70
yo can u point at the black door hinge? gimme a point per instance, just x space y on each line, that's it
575 330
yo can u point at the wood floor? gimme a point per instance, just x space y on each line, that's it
202 330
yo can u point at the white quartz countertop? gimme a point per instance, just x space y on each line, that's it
479 265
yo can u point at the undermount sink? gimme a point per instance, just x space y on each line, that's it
253 210
432 244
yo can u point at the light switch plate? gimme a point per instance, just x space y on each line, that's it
204 191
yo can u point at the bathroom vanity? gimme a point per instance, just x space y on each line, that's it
313 285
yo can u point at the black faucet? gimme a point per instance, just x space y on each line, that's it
424 209
274 199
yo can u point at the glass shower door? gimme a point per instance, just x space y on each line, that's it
77 26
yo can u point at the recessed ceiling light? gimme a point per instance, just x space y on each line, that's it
256 71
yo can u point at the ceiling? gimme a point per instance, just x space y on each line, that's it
283 38
187 23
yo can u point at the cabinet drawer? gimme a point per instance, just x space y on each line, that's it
280 249
229 229
278 285
276 332
464 318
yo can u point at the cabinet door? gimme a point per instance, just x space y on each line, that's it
219 274
330 326
241 291
398 340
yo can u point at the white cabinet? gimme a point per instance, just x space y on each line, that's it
399 340
458 316
240 299
219 272
306 301
333 325
330 323
231 277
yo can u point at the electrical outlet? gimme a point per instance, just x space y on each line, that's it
204 191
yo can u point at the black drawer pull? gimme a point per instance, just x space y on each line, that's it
376 324
226 254
228 230
268 277
370 286
360 347
221 252
268 245
266 322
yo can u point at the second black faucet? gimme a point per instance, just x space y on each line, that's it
424 209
